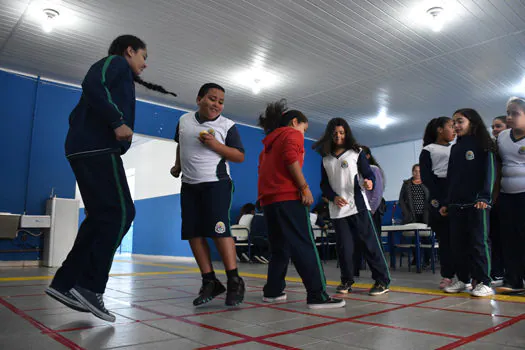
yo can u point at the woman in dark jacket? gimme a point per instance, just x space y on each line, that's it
413 199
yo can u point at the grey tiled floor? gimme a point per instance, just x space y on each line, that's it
152 301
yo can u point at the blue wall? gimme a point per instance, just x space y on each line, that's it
34 121
17 97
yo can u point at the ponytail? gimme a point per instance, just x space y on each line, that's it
277 115
153 87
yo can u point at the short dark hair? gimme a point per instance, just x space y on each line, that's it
207 87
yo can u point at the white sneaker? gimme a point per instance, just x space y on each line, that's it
276 299
468 286
456 287
258 258
482 290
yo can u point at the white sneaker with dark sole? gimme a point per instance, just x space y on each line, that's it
482 290
94 302
258 258
456 287
276 299
331 303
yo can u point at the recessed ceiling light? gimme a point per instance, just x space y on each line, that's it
520 88
256 79
382 120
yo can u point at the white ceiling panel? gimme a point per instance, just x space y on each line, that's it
331 58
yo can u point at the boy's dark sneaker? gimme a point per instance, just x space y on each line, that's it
235 292
344 288
330 303
209 290
378 289
66 298
94 302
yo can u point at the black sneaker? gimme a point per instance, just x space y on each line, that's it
330 303
94 302
344 288
66 298
507 288
280 297
497 281
235 293
208 291
378 289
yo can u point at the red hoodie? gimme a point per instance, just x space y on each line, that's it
282 147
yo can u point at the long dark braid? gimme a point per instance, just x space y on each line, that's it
120 44
152 86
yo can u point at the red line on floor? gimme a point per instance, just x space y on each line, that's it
25 285
482 334
216 346
237 342
74 329
206 313
463 311
407 329
106 325
368 300
45 330
244 338
305 313
23 295
161 299
277 345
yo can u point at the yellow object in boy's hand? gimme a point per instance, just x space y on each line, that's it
207 132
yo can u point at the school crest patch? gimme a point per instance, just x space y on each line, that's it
521 150
469 155
344 164
220 228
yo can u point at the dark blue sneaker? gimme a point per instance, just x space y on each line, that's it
94 302
66 298
330 303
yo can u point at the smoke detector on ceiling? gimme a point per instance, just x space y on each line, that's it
50 19
437 20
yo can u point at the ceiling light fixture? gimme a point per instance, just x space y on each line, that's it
520 88
382 120
50 19
256 87
437 20
256 79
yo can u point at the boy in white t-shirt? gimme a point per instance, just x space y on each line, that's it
207 141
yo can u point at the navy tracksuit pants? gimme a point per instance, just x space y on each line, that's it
513 236
360 227
290 236
470 243
110 212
